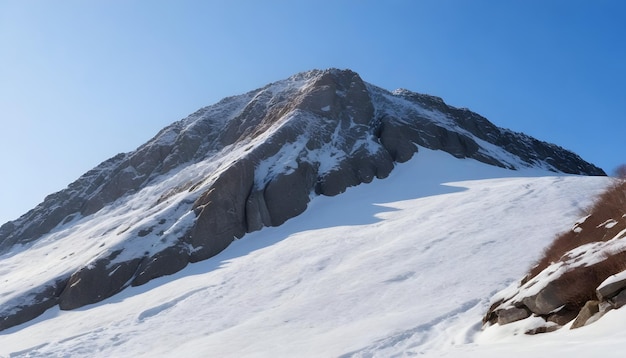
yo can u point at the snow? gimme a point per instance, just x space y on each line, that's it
398 267
608 224
612 279
283 162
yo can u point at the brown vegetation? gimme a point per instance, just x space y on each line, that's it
564 297
610 205
578 286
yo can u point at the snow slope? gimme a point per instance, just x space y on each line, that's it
398 267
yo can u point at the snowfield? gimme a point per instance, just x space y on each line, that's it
399 267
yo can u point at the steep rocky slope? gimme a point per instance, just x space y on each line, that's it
247 162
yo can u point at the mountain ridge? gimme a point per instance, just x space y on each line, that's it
261 155
389 268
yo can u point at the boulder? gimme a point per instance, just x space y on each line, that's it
563 316
590 309
545 301
508 315
609 290
491 316
543 329
618 300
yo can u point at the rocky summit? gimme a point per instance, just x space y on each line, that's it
244 163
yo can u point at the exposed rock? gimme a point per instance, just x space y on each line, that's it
257 214
95 282
563 316
610 290
590 309
31 305
543 329
287 195
545 301
166 262
584 263
397 139
318 132
356 170
506 316
618 300
221 211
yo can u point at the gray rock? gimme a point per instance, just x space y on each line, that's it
491 317
336 182
31 305
543 329
563 316
287 195
545 301
97 281
513 314
370 127
397 139
166 262
221 211
590 309
611 289
618 300
257 214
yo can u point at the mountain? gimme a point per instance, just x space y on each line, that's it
245 163
404 266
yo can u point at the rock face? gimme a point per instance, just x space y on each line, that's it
590 309
247 162
512 314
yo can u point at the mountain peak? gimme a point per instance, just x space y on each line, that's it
247 162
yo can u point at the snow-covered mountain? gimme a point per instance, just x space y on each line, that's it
250 162
398 267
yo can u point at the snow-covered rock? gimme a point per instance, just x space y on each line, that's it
402 266
248 162
581 275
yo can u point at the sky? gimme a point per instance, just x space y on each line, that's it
81 81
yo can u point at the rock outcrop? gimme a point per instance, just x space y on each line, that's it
581 276
245 163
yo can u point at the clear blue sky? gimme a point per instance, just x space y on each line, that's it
83 80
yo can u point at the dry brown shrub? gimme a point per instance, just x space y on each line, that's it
611 204
578 286
620 171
